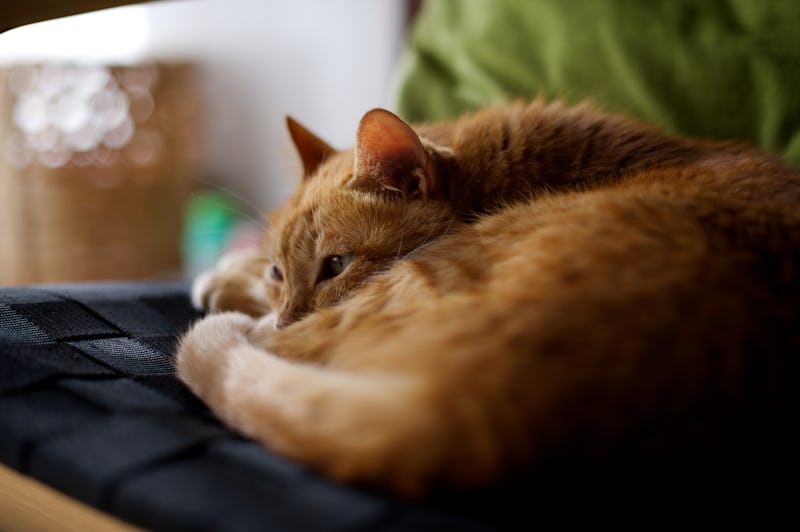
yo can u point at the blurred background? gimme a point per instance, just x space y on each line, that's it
142 141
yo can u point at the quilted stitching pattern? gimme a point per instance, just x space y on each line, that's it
89 404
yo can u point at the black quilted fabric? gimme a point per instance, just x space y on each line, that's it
89 405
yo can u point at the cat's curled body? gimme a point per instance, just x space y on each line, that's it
532 285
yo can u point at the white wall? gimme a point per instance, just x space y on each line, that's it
325 62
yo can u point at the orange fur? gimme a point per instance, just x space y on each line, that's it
531 285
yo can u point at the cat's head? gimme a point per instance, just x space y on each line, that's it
355 213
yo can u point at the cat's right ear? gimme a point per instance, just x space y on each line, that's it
391 158
312 150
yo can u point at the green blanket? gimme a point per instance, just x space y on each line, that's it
711 68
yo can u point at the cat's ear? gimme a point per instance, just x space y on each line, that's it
390 157
312 150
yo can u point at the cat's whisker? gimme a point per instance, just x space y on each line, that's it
228 190
246 215
316 215
241 199
427 240
399 249
205 234
423 244
449 225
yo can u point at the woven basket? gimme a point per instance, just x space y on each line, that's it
79 204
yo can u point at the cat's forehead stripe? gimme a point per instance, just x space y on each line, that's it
299 233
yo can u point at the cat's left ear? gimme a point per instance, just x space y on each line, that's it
312 150
390 157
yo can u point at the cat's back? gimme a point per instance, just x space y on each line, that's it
649 251
510 152
660 305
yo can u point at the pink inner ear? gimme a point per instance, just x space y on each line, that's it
388 152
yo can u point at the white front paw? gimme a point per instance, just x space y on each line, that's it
237 282
202 355
263 329
202 287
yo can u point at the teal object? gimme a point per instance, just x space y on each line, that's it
211 217
725 69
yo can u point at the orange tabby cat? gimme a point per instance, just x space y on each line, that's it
530 286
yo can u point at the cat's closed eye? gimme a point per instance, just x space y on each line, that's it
276 273
334 265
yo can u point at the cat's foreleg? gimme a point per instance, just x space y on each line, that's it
372 427
238 282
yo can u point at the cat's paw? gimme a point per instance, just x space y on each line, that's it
237 283
202 356
263 329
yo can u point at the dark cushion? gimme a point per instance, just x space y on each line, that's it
89 405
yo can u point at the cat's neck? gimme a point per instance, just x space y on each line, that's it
512 153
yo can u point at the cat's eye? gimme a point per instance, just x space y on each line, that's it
276 273
335 264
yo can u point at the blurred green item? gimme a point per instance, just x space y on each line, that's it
725 69
211 217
